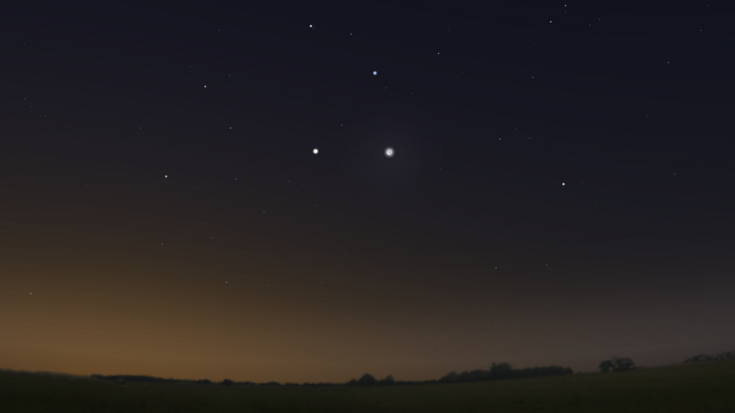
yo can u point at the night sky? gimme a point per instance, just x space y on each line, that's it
202 189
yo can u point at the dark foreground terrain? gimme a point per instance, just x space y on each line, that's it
705 387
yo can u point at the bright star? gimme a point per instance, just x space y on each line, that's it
375 72
389 152
316 151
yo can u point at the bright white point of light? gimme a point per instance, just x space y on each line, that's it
389 152
316 151
205 86
562 184
311 26
375 72
165 176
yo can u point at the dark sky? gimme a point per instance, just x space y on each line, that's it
560 190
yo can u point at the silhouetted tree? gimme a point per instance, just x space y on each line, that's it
451 377
703 357
617 364
387 380
724 356
500 370
367 380
227 382
606 366
623 364
698 359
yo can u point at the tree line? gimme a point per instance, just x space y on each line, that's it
497 371
717 357
503 371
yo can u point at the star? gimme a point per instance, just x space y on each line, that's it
375 72
562 184
316 151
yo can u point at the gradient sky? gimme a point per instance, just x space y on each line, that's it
561 189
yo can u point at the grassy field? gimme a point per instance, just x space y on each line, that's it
706 387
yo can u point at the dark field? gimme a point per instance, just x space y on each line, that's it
706 387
